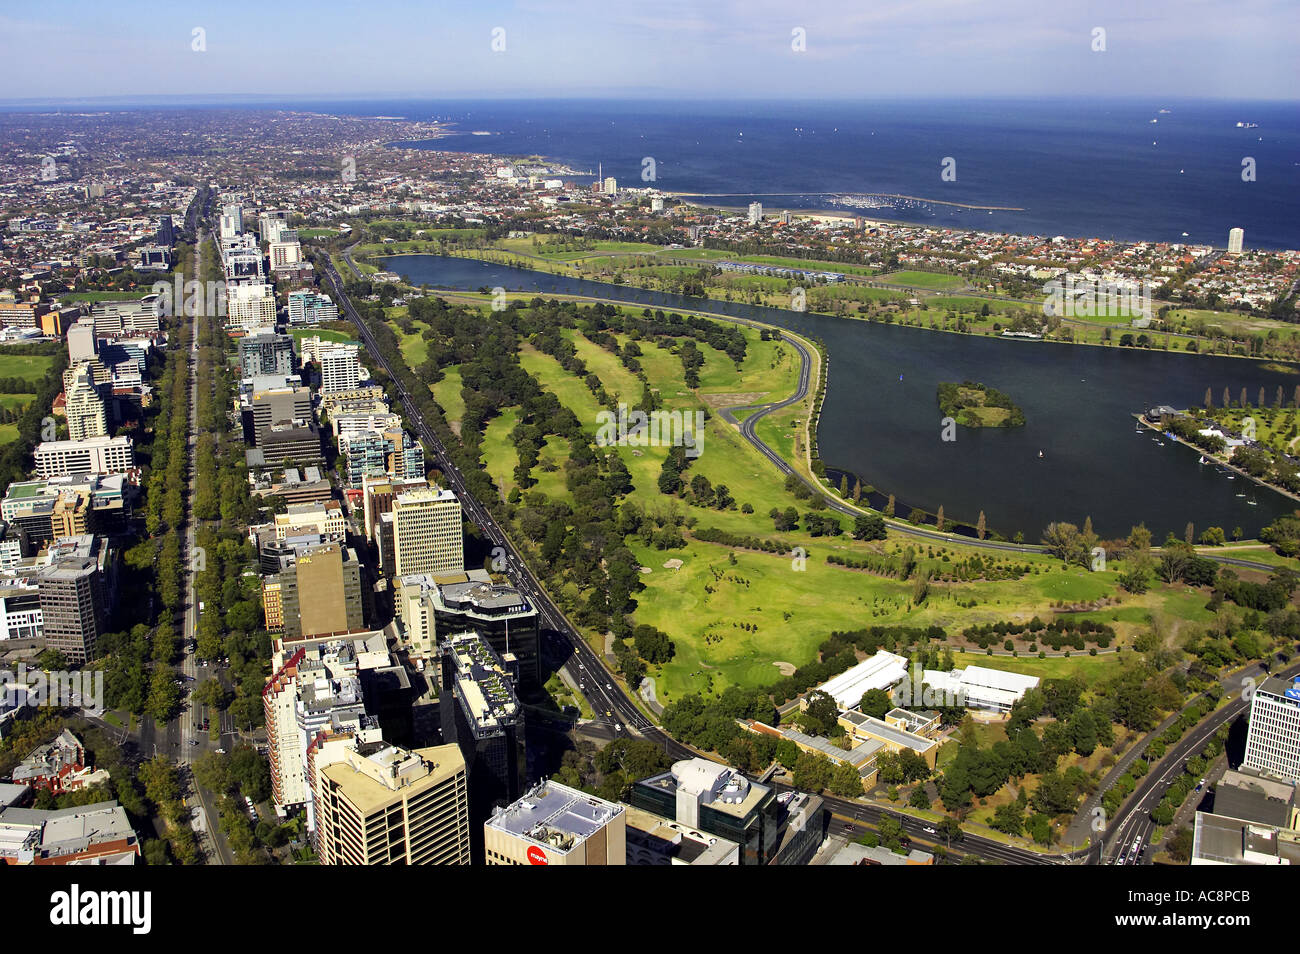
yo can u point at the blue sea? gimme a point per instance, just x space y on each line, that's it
1076 167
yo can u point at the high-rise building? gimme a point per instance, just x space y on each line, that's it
554 824
1273 738
340 369
166 233
268 407
430 609
610 186
72 607
232 220
315 688
250 308
93 455
87 416
718 800
1236 238
755 213
482 715
379 804
83 345
310 308
427 533
266 353
320 591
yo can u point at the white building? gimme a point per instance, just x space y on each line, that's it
95 455
755 213
309 308
251 308
1273 739
340 369
979 688
427 533
881 671
1236 239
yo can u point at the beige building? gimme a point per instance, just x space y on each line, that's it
325 518
383 805
87 416
427 536
556 825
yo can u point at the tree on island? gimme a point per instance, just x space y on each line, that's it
889 507
939 519
980 528
1209 400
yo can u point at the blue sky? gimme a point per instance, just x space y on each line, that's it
867 49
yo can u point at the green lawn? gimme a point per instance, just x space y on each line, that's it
29 367
16 402
499 456
325 334
447 393
935 280
8 433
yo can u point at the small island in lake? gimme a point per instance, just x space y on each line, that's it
977 405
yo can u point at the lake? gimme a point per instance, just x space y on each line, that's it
881 417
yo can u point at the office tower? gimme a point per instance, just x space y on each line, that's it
320 591
1235 239
324 517
269 407
271 223
755 213
72 607
83 345
85 408
383 805
430 609
250 308
285 253
554 824
266 353
166 233
93 455
232 220
1273 739
310 308
427 536
611 186
481 714
715 799
340 370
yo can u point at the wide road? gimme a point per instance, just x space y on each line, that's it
582 665
1132 823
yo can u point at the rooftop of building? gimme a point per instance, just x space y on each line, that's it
720 787
481 683
374 775
555 816
675 841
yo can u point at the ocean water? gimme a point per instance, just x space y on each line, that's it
1075 167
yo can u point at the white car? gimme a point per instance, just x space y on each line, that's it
929 831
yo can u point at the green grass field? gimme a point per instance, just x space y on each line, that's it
29 367
325 334
935 280
447 393
16 402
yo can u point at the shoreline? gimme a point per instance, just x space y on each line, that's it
522 263
1217 461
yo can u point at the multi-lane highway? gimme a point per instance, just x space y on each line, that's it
582 665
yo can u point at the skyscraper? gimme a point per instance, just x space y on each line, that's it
427 535
320 591
755 213
87 416
339 368
481 714
1273 739
384 805
1236 237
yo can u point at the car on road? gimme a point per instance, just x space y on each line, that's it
609 686
929 831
